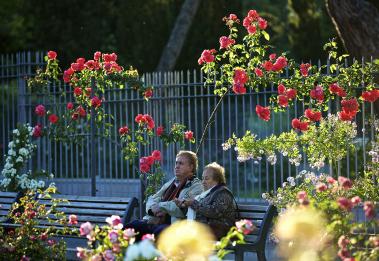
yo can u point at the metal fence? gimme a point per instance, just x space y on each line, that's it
179 97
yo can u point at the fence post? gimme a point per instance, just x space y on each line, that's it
92 165
21 105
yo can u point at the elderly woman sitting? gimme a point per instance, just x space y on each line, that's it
216 205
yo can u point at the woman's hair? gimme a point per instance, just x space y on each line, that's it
192 158
218 172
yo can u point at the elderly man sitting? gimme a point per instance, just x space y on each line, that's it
161 207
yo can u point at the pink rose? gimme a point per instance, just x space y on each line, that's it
245 226
188 135
114 221
40 110
113 236
128 233
345 183
86 229
344 203
73 219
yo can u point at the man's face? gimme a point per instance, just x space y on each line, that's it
183 168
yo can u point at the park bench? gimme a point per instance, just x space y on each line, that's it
6 201
89 209
262 217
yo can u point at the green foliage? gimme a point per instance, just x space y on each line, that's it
330 141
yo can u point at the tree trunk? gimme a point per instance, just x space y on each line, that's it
357 24
178 35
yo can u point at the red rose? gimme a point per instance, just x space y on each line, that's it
321 187
51 55
70 106
78 91
302 197
253 14
283 100
345 183
225 42
144 168
370 96
40 110
156 154
291 93
233 17
148 93
317 93
96 56
206 56
251 29
160 130
240 76
350 105
356 200
150 160
272 56
281 89
53 118
346 116
263 112
139 118
312 115
96 102
188 135
37 131
82 112
299 125
258 72
267 65
123 130
369 209
262 23
344 203
239 88
304 69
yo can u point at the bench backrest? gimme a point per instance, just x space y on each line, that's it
261 216
6 201
95 209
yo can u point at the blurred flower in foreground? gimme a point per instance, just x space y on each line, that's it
302 234
143 250
186 240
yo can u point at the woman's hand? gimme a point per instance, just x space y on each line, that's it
188 202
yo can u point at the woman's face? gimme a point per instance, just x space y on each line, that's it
208 180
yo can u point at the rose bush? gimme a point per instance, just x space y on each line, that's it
252 64
27 239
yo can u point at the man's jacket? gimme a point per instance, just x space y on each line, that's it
191 189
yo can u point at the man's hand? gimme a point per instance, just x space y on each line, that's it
178 202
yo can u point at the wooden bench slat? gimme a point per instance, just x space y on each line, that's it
73 198
250 208
251 215
6 200
98 212
87 205
8 194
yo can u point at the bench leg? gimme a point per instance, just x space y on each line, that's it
238 255
261 255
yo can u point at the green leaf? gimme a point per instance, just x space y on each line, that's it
266 35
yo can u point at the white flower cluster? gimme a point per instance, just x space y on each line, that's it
296 161
272 159
317 164
226 146
20 151
291 181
